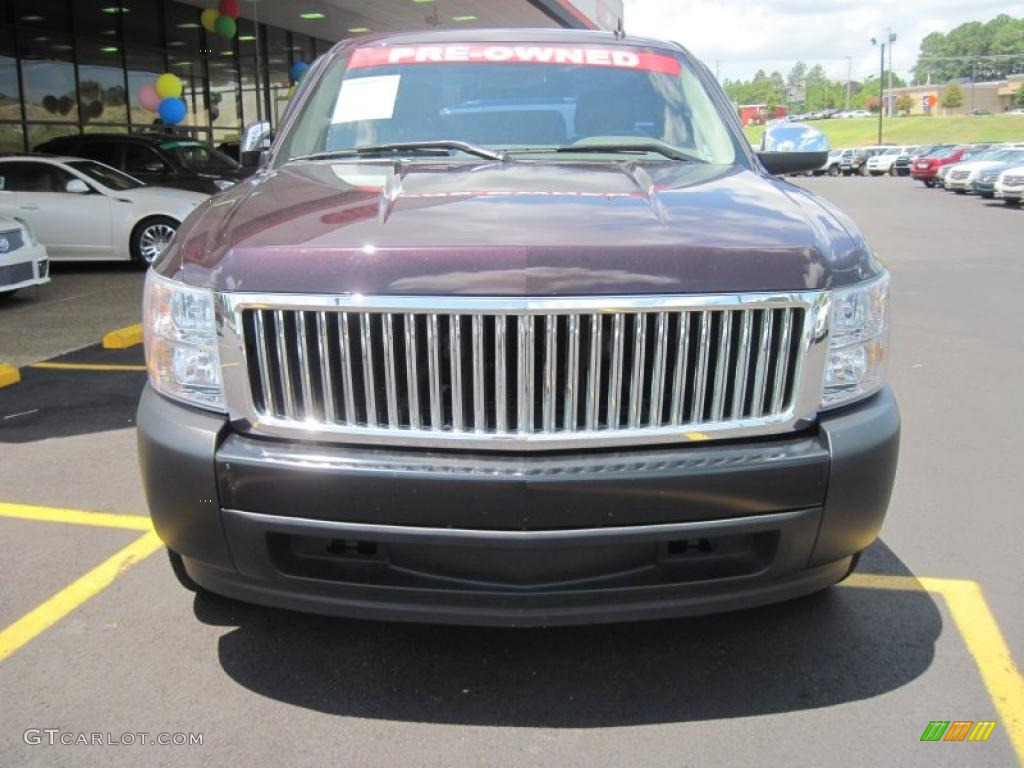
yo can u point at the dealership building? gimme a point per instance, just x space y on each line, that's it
72 66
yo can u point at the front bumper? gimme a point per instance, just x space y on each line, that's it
1005 192
24 267
511 539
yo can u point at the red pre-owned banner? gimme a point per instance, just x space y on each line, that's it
593 56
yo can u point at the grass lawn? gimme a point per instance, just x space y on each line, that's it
859 132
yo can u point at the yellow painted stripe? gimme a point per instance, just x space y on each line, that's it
86 367
44 616
8 375
123 338
75 517
983 638
985 641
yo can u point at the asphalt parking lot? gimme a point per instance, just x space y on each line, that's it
97 636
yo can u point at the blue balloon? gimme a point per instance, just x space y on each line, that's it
172 111
299 70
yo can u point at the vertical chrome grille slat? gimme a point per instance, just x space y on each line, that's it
572 373
524 371
455 366
700 385
500 355
739 385
434 372
326 367
390 374
369 376
676 413
658 368
579 374
615 372
305 370
479 410
284 365
782 362
722 367
412 372
636 383
263 361
550 394
346 370
761 370
594 373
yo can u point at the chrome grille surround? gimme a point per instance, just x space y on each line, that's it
568 364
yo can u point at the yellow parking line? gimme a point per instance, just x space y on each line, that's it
44 616
8 375
984 640
86 367
123 338
75 517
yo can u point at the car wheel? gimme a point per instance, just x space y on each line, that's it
151 237
863 170
178 566
1012 203
892 171
5 295
988 195
833 170
929 183
960 191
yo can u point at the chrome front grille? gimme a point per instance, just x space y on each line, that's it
959 175
1013 181
508 374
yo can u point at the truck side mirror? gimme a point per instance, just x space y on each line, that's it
792 148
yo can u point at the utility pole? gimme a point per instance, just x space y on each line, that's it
849 78
974 76
888 102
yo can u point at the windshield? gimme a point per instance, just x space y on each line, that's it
511 97
197 157
105 175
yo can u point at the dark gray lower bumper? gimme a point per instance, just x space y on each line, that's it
517 540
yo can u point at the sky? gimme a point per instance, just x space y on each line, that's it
743 37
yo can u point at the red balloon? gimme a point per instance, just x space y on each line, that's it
229 8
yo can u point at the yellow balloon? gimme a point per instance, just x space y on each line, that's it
209 19
168 86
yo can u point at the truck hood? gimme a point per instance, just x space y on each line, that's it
516 229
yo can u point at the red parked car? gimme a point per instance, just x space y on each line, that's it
926 168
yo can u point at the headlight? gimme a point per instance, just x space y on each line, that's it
858 342
181 342
28 234
223 184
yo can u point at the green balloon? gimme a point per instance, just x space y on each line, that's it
225 26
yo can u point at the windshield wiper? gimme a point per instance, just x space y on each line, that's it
657 147
440 146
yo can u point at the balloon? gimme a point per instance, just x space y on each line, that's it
168 86
65 105
50 104
149 98
229 8
95 110
208 19
214 114
173 111
299 70
226 27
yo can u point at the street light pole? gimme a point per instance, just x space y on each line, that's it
881 87
849 77
888 104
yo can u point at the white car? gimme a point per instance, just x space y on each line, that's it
1010 185
883 163
81 209
961 176
23 261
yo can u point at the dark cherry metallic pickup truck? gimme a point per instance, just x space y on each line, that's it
514 327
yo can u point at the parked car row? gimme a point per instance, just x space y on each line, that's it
827 114
101 197
994 172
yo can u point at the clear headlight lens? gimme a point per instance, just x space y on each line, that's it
223 184
858 342
27 233
181 342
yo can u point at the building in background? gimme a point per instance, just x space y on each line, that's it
71 66
996 97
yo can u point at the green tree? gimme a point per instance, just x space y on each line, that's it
1020 96
958 54
905 103
952 97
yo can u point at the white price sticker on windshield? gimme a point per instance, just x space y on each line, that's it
367 98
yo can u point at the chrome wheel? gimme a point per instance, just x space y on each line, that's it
153 241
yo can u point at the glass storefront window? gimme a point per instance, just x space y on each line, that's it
144 66
48 72
11 136
252 106
41 133
43 15
101 88
278 71
98 20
